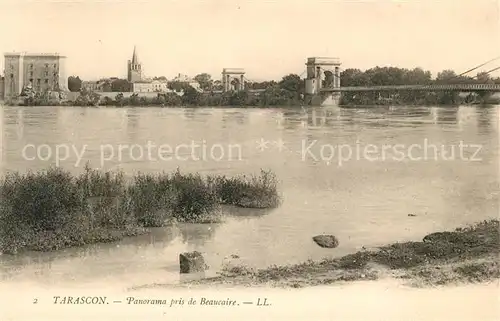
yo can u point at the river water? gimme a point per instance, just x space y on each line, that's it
400 164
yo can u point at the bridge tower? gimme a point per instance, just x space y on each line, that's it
322 73
233 79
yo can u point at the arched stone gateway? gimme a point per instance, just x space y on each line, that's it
322 72
233 79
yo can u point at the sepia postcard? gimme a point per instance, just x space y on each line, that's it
326 160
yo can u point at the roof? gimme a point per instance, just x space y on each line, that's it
33 54
134 56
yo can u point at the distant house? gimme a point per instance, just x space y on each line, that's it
187 80
142 86
102 85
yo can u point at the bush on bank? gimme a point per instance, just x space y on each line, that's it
255 191
53 209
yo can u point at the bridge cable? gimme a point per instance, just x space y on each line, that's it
479 66
488 72
472 69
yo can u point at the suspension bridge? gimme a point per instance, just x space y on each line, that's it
323 85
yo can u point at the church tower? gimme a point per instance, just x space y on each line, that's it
134 68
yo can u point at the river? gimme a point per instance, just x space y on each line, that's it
364 199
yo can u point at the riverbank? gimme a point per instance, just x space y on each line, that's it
465 255
265 99
54 209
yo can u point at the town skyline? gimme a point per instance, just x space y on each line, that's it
267 39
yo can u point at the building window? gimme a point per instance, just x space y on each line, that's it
31 66
11 76
38 81
46 65
46 73
55 65
31 81
11 66
31 73
46 81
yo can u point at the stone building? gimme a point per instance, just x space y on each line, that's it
2 87
44 71
148 85
141 86
102 85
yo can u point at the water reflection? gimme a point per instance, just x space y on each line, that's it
198 114
234 117
484 117
239 212
196 235
357 200
156 239
132 122
446 115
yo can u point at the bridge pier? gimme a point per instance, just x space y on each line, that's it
322 73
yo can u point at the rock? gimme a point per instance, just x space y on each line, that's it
328 241
192 262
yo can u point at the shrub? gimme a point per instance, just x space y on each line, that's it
43 200
254 191
54 209
152 199
196 200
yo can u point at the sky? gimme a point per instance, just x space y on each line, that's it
267 38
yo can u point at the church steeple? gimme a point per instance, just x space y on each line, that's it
134 56
134 68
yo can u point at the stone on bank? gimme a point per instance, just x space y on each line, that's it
326 241
192 262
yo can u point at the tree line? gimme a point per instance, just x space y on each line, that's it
290 89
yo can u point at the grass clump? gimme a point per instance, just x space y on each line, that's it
197 201
463 243
252 192
478 271
54 209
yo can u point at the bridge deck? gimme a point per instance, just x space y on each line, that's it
452 87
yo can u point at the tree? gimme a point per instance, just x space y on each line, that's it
354 77
191 96
484 78
205 81
263 85
417 76
120 85
292 82
74 83
87 98
178 86
450 77
217 85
